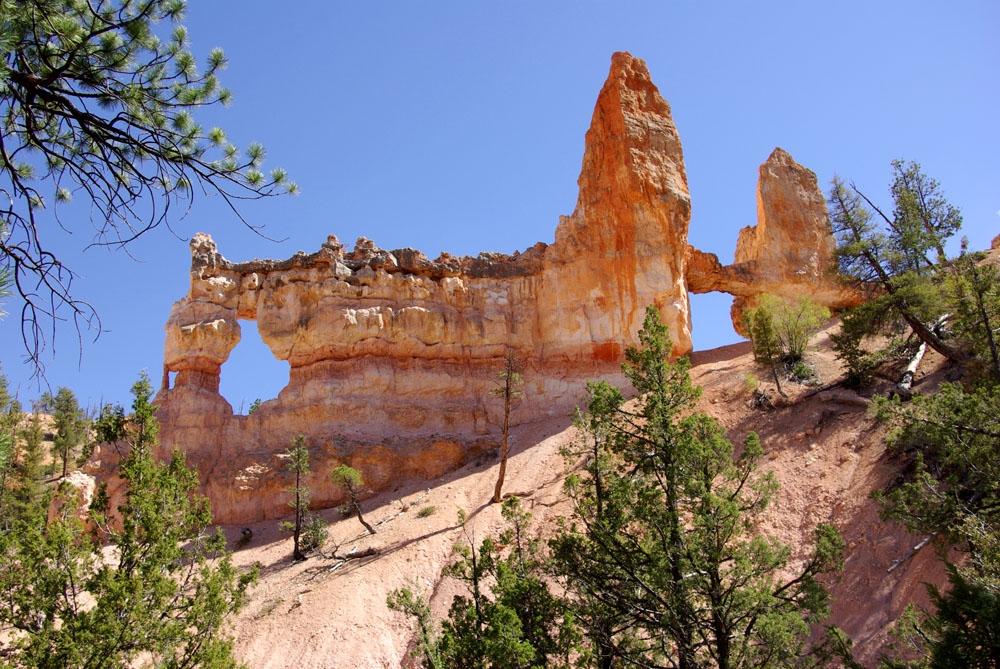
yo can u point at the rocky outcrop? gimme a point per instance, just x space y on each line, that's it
789 253
392 356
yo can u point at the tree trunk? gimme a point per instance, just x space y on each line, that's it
504 451
511 377
357 509
297 553
906 383
777 381
932 340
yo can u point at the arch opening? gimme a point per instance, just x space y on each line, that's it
711 324
252 372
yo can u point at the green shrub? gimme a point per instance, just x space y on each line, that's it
802 372
313 532
780 329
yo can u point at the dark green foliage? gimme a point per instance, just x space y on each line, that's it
314 534
950 442
29 497
973 292
962 632
510 618
862 361
97 103
898 260
948 447
161 603
308 530
966 626
70 424
10 419
5 278
661 557
405 601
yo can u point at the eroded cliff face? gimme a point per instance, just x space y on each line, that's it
392 356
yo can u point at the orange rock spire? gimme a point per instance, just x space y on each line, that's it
392 356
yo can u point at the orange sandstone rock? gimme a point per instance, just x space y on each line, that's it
789 253
392 356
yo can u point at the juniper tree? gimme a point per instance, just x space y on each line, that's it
662 557
508 616
98 102
161 601
947 448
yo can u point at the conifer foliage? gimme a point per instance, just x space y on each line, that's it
898 259
159 598
946 444
662 557
509 617
662 562
97 101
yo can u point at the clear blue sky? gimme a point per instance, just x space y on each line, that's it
459 127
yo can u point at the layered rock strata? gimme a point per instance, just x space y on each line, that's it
392 356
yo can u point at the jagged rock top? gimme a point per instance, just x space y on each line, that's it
206 261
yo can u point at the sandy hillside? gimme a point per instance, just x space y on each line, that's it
827 455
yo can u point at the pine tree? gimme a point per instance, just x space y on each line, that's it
97 103
10 414
507 390
661 556
973 295
29 496
70 425
298 463
161 602
897 259
350 479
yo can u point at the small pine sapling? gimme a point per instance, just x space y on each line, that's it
350 480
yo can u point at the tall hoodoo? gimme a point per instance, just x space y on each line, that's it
392 356
789 253
634 208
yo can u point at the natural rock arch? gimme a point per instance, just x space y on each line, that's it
412 346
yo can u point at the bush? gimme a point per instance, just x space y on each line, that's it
313 532
780 329
802 372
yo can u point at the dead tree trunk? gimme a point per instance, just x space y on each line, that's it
905 384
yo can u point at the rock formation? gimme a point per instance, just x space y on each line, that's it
788 253
392 356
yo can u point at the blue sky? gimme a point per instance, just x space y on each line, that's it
459 127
